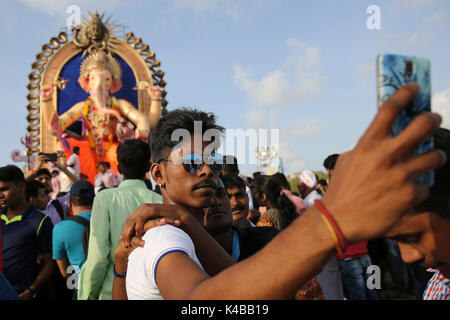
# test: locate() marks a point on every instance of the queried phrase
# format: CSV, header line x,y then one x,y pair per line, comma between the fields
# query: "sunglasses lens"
x,y
192,163
215,161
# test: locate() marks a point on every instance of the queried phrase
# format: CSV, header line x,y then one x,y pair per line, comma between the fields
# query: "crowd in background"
x,y
60,232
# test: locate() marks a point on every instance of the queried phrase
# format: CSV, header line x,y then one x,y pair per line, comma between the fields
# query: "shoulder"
x,y
166,235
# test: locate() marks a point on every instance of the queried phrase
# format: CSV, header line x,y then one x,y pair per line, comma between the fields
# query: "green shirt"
x,y
110,209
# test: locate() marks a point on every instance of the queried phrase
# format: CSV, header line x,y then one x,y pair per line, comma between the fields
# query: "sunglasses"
x,y
193,163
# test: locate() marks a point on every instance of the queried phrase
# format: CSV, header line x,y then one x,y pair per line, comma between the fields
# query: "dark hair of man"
x,y
84,200
76,149
107,165
183,118
233,181
32,188
11,173
282,180
330,161
439,199
231,166
272,189
322,182
133,157
42,171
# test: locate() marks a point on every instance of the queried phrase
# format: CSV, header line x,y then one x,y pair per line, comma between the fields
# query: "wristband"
x,y
118,275
338,236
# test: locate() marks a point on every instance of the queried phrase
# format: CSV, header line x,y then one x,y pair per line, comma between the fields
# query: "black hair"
x,y
76,149
282,180
32,188
271,187
42,171
322,182
232,181
230,165
11,173
83,200
438,201
330,161
183,118
133,157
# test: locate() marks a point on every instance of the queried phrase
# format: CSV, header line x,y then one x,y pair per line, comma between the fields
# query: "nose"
x,y
233,201
410,253
206,171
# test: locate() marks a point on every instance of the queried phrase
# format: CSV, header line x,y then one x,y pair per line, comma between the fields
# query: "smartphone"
x,y
51,156
394,71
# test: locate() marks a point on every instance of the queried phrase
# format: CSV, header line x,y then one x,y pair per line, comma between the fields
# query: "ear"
x,y
263,198
116,85
84,83
157,171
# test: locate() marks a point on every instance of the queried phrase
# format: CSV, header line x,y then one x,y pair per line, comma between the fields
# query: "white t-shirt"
x,y
143,261
64,181
74,160
312,196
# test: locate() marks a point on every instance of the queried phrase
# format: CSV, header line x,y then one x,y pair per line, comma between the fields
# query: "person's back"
x,y
68,241
110,209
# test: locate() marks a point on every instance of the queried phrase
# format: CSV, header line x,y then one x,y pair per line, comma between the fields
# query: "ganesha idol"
x,y
106,121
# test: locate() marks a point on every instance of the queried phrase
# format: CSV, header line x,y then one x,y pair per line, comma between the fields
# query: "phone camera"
x,y
408,69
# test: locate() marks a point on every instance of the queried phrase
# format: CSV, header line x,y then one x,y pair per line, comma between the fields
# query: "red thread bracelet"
x,y
337,230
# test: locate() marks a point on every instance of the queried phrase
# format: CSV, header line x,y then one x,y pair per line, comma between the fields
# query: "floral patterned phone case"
x,y
394,71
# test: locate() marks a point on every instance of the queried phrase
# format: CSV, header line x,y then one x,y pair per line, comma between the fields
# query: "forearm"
x,y
210,253
135,116
301,250
119,290
70,116
155,112
48,268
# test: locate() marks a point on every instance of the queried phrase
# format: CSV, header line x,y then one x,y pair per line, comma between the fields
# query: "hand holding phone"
x,y
394,71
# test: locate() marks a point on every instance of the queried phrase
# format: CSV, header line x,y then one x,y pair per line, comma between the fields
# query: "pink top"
x,y
109,179
299,203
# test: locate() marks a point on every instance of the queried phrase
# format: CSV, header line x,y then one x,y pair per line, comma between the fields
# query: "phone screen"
x,y
394,71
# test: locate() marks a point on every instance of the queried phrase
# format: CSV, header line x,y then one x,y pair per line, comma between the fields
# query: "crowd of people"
x,y
205,231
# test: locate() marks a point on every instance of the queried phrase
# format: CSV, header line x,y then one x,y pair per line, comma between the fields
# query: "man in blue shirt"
x,y
68,248
26,235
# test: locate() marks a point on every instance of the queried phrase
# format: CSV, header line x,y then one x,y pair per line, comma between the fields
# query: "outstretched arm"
x,y
372,188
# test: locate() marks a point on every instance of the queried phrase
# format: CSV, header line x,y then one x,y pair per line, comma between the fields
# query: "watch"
x,y
118,275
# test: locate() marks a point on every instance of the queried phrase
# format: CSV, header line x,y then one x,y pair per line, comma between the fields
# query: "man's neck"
x,y
17,210
78,210
224,238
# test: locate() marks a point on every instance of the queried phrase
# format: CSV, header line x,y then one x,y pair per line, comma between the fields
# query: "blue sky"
x,y
306,68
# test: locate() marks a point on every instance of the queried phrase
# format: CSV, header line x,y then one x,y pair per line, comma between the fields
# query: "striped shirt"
x,y
438,287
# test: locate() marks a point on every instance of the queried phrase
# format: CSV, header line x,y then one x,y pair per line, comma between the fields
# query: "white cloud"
x,y
254,118
59,7
440,103
304,129
290,85
436,17
292,162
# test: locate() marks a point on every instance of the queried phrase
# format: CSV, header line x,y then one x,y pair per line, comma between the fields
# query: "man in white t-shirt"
x,y
74,162
307,182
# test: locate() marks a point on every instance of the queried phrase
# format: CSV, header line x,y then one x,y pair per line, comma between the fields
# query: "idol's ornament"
x,y
93,92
